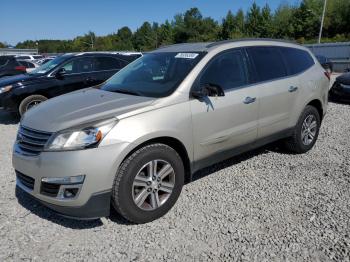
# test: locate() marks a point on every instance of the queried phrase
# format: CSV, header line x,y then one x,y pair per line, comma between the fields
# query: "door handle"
x,y
249,100
292,89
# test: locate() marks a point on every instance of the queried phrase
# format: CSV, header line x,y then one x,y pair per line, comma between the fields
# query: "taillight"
x,y
328,75
20,68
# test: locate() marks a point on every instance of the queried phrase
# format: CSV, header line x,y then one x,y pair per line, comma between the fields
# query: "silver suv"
x,y
134,140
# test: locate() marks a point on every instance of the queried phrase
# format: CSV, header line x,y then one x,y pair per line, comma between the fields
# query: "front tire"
x,y
148,183
29,102
305,132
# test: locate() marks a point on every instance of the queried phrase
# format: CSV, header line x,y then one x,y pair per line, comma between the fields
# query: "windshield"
x,y
154,74
43,69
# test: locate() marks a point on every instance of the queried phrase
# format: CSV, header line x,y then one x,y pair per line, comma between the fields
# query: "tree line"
x,y
293,22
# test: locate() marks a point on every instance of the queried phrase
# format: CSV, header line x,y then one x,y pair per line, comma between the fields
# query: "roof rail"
x,y
249,39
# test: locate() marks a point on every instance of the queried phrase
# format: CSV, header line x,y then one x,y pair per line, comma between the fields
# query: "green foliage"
x,y
192,27
145,37
300,23
282,23
254,21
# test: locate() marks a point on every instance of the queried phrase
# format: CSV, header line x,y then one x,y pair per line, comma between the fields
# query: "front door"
x,y
79,73
227,122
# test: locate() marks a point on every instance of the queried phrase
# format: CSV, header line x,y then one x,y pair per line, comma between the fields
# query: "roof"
x,y
193,47
206,46
121,53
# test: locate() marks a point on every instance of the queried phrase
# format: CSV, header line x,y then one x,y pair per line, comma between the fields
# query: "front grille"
x,y
25,180
49,189
31,142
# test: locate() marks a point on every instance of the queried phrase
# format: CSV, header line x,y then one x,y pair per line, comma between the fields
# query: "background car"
x,y
30,66
29,57
325,62
9,66
341,88
63,74
44,60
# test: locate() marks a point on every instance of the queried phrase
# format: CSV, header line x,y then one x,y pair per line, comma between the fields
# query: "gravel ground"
x,y
265,205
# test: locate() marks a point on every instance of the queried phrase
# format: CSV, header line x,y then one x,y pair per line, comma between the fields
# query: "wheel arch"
x,y
318,105
174,143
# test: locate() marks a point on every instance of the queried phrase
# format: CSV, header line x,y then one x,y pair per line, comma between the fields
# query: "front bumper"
x,y
97,206
99,165
7,102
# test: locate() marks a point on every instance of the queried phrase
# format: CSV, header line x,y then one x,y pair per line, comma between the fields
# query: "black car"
x,y
325,62
63,74
341,88
9,66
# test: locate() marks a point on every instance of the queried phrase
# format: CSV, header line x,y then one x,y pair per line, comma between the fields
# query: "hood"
x,y
344,79
83,106
20,79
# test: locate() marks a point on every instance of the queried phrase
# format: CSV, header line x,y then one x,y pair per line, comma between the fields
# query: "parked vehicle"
x,y
9,66
44,60
30,66
133,141
29,57
63,74
326,63
341,88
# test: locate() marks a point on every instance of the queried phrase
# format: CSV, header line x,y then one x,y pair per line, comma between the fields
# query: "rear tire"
x,y
148,183
305,132
29,102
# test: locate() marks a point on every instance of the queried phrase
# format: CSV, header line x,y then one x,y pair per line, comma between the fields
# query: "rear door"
x,y
277,91
222,123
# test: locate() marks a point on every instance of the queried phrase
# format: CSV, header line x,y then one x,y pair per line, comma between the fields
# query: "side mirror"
x,y
208,90
60,73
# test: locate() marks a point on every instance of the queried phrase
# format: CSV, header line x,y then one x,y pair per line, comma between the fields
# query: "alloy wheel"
x,y
309,130
153,184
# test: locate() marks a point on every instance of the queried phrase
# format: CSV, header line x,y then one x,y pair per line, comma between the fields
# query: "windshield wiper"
x,y
128,92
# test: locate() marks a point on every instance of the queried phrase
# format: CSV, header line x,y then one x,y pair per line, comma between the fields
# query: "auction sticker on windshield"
x,y
186,55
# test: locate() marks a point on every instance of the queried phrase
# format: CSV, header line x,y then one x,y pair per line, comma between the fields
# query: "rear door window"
x,y
227,70
268,62
297,60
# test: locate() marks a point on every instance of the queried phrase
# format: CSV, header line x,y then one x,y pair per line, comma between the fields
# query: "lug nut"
x,y
158,179
148,183
149,189
155,190
153,178
159,185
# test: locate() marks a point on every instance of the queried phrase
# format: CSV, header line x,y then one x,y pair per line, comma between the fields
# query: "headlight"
x,y
5,89
80,138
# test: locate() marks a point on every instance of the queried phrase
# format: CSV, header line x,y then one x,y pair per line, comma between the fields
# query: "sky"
x,y
65,19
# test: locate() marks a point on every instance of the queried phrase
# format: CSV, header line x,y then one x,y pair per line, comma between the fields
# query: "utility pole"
x,y
92,42
322,20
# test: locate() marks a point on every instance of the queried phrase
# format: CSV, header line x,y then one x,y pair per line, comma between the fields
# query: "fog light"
x,y
70,192
68,180
63,188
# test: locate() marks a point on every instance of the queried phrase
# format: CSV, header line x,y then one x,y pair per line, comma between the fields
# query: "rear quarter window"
x,y
107,63
297,60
